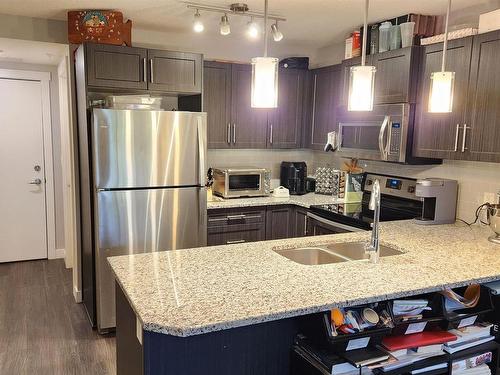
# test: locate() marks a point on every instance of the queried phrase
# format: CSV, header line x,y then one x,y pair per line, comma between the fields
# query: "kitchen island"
x,y
231,309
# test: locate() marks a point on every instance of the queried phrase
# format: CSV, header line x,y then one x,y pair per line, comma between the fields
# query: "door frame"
x,y
44,79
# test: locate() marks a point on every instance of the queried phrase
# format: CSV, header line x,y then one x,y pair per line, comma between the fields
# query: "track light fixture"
x,y
225,28
277,34
252,29
198,26
237,9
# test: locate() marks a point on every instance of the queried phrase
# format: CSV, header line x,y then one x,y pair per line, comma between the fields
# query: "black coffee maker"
x,y
293,176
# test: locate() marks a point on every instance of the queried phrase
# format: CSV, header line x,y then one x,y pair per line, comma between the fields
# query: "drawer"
x,y
232,234
230,217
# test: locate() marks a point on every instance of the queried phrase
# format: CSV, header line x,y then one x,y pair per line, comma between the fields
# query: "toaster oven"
x,y
241,182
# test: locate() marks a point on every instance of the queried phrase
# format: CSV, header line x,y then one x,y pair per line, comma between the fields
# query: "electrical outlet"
x,y
490,198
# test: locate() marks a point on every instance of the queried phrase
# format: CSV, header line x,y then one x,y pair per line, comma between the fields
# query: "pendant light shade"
x,y
264,82
361,88
264,92
441,94
362,78
442,83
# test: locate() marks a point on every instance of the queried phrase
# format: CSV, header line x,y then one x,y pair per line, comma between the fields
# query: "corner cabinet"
x,y
326,83
472,130
233,123
130,68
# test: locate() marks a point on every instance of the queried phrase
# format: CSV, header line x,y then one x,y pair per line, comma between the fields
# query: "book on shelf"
x,y
430,368
453,348
416,340
469,333
471,362
399,359
479,370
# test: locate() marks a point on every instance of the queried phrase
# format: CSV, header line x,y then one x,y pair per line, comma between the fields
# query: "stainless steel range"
x,y
398,202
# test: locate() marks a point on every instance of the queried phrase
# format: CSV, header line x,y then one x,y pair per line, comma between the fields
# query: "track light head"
x,y
225,28
198,26
277,34
252,29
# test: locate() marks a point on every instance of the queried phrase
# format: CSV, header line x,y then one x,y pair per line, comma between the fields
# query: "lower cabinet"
x,y
280,222
300,222
236,225
240,225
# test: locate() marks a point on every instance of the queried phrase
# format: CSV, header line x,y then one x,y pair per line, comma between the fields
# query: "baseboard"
x,y
77,294
60,253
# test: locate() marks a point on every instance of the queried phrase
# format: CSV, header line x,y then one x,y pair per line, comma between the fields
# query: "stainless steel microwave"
x,y
241,182
384,134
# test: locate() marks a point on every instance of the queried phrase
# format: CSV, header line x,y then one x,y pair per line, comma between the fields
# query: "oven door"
x,y
377,135
317,226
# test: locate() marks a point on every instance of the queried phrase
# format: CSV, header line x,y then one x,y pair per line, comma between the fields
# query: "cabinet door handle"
x,y
236,217
464,141
151,69
235,241
228,133
271,135
313,119
456,138
234,132
305,225
144,70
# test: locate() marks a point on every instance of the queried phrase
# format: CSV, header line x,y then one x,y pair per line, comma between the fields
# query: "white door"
x,y
23,233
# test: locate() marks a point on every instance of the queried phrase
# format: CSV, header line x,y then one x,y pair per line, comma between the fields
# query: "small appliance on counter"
x,y
310,184
281,192
293,176
238,182
439,197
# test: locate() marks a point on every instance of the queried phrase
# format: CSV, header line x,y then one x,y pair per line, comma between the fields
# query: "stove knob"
x,y
411,189
369,182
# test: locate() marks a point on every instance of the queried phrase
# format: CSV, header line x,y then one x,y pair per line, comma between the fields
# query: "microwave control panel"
x,y
395,138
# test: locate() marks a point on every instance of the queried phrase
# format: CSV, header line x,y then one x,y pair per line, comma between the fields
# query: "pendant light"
x,y
442,83
362,78
264,92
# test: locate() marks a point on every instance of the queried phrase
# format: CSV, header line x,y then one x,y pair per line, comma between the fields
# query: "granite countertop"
x,y
305,201
194,291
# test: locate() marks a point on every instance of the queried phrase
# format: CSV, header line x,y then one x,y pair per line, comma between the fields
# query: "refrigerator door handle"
x,y
202,140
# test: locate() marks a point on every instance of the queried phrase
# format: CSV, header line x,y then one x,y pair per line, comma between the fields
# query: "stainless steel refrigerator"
x,y
149,172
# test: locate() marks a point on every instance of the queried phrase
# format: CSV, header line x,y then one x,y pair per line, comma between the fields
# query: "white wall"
x,y
56,141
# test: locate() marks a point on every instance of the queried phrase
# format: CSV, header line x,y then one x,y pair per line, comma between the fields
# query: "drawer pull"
x,y
236,217
235,241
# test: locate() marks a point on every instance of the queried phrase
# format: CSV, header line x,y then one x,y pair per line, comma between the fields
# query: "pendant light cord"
x,y
265,27
445,45
365,35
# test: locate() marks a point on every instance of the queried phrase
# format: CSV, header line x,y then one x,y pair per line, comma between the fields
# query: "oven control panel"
x,y
389,185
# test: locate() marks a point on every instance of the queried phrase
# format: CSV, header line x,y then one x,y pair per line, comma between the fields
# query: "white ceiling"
x,y
315,23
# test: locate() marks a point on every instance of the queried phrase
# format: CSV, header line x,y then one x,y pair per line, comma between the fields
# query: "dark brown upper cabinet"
x,y
440,135
396,76
175,71
116,66
285,122
249,125
129,68
325,98
482,135
233,123
217,103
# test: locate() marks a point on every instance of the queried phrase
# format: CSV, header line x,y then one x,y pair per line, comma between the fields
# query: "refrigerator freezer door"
x,y
140,221
142,149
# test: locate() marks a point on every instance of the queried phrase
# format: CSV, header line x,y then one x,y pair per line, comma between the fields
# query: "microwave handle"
x,y
381,146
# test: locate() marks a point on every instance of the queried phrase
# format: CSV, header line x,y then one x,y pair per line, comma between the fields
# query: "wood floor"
x,y
42,329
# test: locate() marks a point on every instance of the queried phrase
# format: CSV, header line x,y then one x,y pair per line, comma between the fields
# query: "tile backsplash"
x,y
475,179
270,159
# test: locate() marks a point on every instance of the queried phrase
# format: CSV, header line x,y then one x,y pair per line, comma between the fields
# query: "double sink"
x,y
333,253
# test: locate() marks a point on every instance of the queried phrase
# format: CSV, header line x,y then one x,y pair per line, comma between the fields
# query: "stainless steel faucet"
x,y
373,247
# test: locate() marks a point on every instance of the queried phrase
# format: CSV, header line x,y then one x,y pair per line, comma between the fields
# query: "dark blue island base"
x,y
260,349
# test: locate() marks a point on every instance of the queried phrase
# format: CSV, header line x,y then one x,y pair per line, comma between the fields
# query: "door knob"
x,y
36,181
